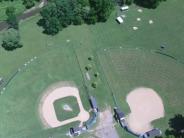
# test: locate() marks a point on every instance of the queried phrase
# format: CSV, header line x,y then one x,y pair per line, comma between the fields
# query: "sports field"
x,y
127,69
56,61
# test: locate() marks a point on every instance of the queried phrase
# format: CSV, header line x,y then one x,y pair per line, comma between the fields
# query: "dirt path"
x,y
146,106
105,128
47,111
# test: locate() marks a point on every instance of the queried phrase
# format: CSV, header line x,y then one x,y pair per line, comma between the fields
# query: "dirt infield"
x,y
46,107
146,106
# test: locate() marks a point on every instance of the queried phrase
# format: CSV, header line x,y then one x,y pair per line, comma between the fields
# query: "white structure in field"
x,y
120,20
124,8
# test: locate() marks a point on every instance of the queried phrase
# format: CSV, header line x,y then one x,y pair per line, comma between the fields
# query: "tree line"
x,y
27,3
144,3
59,14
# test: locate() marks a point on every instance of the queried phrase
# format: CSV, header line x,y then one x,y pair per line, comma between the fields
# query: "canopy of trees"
x,y
27,3
143,3
12,19
58,14
148,3
11,39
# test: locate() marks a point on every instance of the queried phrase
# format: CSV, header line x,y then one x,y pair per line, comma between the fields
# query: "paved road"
x,y
23,16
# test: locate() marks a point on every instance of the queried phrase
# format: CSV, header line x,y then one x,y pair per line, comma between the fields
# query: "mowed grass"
x,y
57,61
20,102
127,69
63,114
4,4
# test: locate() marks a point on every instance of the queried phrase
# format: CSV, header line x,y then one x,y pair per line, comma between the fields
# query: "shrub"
x,y
96,74
94,84
88,67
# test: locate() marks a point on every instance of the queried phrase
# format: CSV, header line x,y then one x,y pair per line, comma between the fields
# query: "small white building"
x,y
119,20
124,8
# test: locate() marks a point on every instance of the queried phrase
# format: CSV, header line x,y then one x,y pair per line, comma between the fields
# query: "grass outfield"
x,y
57,61
127,69
61,113
19,113
17,4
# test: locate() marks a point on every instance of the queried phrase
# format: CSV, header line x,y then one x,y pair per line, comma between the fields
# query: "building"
x,y
152,133
119,20
120,117
93,104
76,131
124,8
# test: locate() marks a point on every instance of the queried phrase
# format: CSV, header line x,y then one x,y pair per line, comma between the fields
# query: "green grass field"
x,y
61,113
58,62
127,69
17,4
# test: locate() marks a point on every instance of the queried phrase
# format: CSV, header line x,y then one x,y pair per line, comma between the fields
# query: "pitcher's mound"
x,y
146,106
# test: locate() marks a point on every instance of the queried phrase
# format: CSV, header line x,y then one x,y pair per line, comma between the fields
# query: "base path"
x,y
146,106
47,111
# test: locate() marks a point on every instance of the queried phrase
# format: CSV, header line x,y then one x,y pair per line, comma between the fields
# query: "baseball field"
x,y
124,58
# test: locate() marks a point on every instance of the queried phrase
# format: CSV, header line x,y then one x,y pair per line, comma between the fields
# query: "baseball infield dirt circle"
x,y
47,111
146,106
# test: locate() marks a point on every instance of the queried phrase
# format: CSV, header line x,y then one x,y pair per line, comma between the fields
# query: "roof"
x,y
93,102
119,19
119,113
124,8
76,129
154,132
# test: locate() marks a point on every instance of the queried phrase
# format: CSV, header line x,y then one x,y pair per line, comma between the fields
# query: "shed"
x,y
93,104
119,114
76,131
119,20
152,133
120,117
124,8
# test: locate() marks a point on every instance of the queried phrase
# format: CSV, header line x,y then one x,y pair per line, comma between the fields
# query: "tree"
x,y
11,19
28,3
10,11
94,84
56,15
13,22
176,126
129,2
148,3
52,26
102,9
11,39
91,17
77,13
59,14
105,10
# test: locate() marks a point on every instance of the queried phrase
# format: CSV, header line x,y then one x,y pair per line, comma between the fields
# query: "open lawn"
x,y
57,61
17,4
